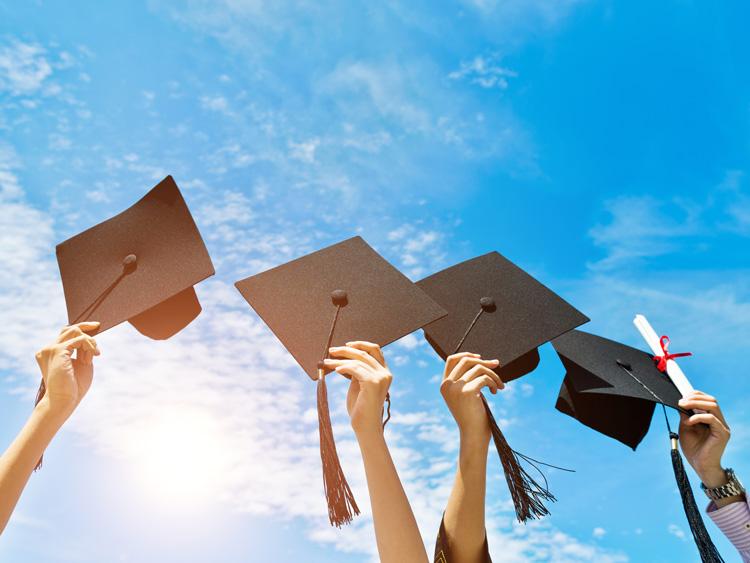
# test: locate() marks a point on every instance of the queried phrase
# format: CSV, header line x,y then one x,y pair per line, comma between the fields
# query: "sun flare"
x,y
182,455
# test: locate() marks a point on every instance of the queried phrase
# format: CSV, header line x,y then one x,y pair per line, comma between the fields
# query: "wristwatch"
x,y
731,488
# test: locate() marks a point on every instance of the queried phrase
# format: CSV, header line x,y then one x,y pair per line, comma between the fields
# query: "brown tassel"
x,y
341,504
528,495
39,395
706,547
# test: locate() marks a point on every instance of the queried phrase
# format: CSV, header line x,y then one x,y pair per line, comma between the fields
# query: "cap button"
x,y
339,297
487,303
129,263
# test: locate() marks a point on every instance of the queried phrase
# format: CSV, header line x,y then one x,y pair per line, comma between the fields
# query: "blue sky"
x,y
602,146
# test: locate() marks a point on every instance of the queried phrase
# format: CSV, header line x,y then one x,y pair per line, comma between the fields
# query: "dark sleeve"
x,y
442,547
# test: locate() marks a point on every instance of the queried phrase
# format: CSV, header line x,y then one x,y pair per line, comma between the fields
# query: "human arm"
x,y
66,381
464,377
396,531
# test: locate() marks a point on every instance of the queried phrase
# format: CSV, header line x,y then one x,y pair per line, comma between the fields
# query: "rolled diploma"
x,y
652,339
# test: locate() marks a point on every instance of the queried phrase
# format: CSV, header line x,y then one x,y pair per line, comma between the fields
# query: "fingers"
x,y
710,420
354,370
696,404
466,363
360,366
453,359
483,371
480,382
699,401
372,349
354,354
83,343
68,332
699,394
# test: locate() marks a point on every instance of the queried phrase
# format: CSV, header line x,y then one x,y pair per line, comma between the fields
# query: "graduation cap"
x,y
139,266
614,388
341,293
497,310
611,387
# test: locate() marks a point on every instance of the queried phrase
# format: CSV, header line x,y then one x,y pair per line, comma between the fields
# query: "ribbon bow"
x,y
662,360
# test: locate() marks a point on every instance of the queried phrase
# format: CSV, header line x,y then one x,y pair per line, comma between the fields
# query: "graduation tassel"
x,y
341,504
528,495
39,394
706,547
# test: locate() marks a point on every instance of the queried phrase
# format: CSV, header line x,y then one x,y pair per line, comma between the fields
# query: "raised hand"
x,y
68,379
464,377
364,364
704,437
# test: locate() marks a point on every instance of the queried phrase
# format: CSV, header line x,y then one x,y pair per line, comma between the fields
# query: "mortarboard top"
x,y
498,311
140,266
518,314
611,387
296,301
614,389
341,293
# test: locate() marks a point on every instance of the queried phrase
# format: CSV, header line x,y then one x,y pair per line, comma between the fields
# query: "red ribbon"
x,y
662,360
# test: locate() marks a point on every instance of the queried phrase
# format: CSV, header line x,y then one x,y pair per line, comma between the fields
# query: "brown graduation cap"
x,y
497,310
139,266
614,388
341,293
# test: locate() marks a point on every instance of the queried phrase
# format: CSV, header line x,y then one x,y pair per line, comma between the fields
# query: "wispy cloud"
x,y
641,227
24,68
485,72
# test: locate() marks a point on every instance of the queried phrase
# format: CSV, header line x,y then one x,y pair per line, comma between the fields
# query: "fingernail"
x,y
495,361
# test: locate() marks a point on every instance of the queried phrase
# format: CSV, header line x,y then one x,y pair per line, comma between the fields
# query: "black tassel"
x,y
39,395
528,495
706,547
341,504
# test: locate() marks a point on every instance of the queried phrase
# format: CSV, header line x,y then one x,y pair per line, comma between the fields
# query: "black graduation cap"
x,y
341,293
614,388
611,387
497,310
139,266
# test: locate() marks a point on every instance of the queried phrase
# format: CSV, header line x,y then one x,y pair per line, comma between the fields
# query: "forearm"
x,y
464,514
19,460
396,530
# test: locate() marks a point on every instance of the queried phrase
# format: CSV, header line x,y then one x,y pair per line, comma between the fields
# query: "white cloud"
x,y
523,15
420,251
305,150
215,103
484,72
641,227
677,532
599,532
9,185
24,68
390,88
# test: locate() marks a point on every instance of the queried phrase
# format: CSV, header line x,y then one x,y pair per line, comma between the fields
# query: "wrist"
x,y
51,414
475,440
712,476
369,436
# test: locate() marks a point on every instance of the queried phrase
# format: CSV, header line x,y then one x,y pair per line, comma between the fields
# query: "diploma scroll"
x,y
652,339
